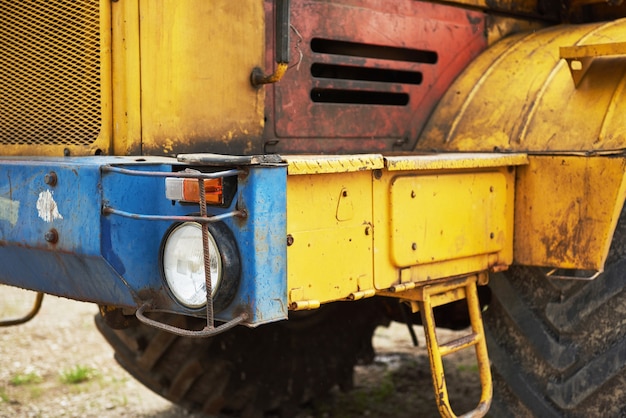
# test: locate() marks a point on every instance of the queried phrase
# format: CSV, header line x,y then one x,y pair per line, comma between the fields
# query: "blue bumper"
x,y
75,228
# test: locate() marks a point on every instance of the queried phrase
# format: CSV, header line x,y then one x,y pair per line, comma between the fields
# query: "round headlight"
x,y
183,265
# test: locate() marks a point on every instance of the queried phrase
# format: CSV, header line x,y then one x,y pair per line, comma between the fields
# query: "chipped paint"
x,y
9,210
47,208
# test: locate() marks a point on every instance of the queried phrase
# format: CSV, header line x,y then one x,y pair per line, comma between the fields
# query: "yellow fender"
x,y
520,96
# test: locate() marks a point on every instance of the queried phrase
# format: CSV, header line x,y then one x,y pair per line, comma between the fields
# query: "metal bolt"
x,y
378,174
50,179
52,236
492,235
414,246
491,189
413,194
289,240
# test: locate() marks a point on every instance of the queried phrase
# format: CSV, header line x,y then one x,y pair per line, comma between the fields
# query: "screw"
x,y
492,235
289,240
52,236
414,246
50,179
413,194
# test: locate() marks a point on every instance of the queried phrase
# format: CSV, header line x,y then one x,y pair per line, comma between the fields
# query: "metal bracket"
x,y
579,57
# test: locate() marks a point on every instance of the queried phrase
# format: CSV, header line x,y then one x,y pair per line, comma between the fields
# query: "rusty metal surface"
x,y
364,78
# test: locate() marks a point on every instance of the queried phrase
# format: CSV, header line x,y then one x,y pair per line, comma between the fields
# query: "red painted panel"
x,y
370,72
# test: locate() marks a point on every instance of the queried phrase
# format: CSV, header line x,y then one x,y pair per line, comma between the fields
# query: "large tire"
x,y
251,372
558,348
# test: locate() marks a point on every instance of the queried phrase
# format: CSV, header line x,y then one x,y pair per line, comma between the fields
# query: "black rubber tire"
x,y
558,347
269,370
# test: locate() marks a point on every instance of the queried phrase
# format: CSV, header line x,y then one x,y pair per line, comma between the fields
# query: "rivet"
x,y
50,179
289,240
52,236
414,246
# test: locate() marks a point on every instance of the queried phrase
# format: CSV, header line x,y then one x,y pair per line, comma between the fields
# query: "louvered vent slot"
x,y
50,85
376,83
355,49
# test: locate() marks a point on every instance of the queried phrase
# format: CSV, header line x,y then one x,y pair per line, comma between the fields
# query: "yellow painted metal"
x,y
567,209
126,78
352,232
499,26
329,253
441,293
441,217
454,161
433,223
319,164
541,111
196,60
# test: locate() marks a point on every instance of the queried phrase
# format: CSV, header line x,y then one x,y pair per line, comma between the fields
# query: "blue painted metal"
x,y
262,242
114,260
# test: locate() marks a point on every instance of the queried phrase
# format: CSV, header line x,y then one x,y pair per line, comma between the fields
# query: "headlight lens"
x,y
183,265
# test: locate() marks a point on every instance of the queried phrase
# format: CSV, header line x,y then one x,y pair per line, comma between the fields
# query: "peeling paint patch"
x,y
9,210
47,207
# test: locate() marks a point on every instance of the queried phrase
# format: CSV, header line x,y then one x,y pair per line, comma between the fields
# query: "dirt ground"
x,y
41,361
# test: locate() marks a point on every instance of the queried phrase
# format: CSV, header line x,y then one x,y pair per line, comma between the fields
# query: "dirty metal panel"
x,y
196,61
50,231
566,210
365,77
329,226
454,161
543,109
261,238
443,217
48,195
57,237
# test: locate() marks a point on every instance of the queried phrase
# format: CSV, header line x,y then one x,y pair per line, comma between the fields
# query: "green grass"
x,y
473,368
78,374
3,396
21,379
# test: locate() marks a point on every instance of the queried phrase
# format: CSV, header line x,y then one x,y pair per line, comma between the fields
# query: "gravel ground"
x,y
40,360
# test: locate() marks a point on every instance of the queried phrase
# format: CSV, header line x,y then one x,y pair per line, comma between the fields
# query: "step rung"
x,y
458,344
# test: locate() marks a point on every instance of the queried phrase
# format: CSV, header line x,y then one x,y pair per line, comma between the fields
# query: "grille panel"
x,y
50,80
366,75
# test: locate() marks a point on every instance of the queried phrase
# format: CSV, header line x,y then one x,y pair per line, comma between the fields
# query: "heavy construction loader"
x,y
248,188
